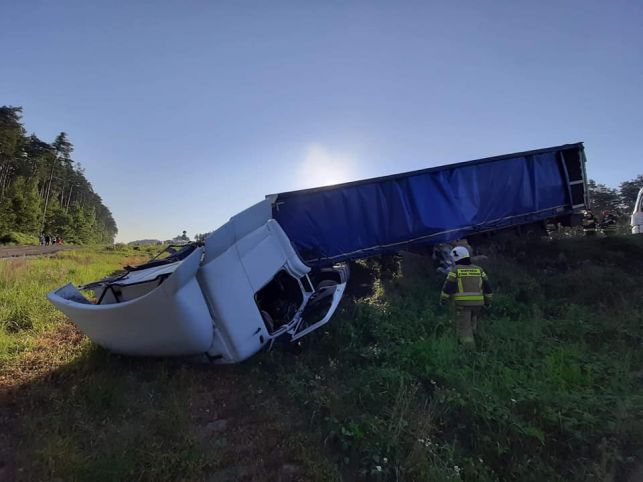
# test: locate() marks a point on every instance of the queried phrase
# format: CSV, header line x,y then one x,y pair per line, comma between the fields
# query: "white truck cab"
x,y
637,215
245,287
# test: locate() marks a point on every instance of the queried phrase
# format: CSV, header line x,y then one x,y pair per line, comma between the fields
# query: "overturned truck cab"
x,y
226,299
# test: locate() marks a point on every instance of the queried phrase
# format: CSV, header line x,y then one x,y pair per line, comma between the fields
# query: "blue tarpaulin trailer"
x,y
387,214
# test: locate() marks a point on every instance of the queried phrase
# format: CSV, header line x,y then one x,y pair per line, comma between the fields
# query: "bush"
x,y
14,238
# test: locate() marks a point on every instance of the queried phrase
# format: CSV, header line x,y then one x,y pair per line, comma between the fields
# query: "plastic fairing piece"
x,y
172,319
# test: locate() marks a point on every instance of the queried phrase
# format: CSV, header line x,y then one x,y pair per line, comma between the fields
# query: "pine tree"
x,y
603,198
42,187
21,206
11,136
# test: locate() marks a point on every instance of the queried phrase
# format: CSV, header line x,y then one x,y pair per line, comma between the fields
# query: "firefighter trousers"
x,y
466,323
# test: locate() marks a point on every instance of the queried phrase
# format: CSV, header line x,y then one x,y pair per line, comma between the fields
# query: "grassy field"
x,y
71,411
554,391
24,311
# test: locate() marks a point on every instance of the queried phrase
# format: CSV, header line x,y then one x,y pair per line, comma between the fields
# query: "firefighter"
x,y
468,287
589,223
551,227
608,224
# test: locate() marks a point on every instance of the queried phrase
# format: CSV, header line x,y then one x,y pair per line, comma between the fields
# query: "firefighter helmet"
x,y
459,252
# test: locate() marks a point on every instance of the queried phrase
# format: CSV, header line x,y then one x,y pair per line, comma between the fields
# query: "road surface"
x,y
19,251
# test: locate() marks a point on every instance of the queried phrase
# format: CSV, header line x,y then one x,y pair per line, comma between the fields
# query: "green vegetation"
x,y
25,312
43,190
19,238
385,392
78,412
620,201
553,392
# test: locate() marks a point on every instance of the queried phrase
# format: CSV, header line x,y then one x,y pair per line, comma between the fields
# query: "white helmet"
x,y
459,252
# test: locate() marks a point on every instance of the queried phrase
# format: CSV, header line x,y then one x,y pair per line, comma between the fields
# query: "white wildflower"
x,y
378,468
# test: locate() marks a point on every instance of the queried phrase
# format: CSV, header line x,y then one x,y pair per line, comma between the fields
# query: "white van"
x,y
238,292
637,214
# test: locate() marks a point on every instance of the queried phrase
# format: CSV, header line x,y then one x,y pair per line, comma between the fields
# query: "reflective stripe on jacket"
x,y
609,224
467,285
589,224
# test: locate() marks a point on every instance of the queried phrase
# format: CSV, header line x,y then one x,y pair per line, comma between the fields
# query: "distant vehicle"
x,y
278,268
238,292
637,215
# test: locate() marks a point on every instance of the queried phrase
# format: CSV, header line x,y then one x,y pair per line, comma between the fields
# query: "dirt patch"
x,y
51,350
255,435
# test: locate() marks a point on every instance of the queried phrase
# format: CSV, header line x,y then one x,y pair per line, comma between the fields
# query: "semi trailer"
x,y
279,269
388,214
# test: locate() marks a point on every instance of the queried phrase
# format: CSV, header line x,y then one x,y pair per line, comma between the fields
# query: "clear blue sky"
x,y
185,112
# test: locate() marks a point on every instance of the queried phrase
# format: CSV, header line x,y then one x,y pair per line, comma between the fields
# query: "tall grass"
x,y
24,283
72,411
552,393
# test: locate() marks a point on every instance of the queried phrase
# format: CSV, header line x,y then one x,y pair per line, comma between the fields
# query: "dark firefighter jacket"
x,y
608,224
467,285
589,224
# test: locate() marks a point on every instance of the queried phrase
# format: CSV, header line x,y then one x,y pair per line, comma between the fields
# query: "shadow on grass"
x,y
100,416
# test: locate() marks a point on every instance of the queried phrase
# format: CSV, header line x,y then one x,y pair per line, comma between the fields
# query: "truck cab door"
x,y
323,303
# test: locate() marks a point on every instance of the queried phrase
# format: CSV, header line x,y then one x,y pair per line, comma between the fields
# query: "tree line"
x,y
43,190
620,200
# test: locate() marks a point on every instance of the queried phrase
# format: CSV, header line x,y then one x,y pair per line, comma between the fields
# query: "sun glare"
x,y
322,167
